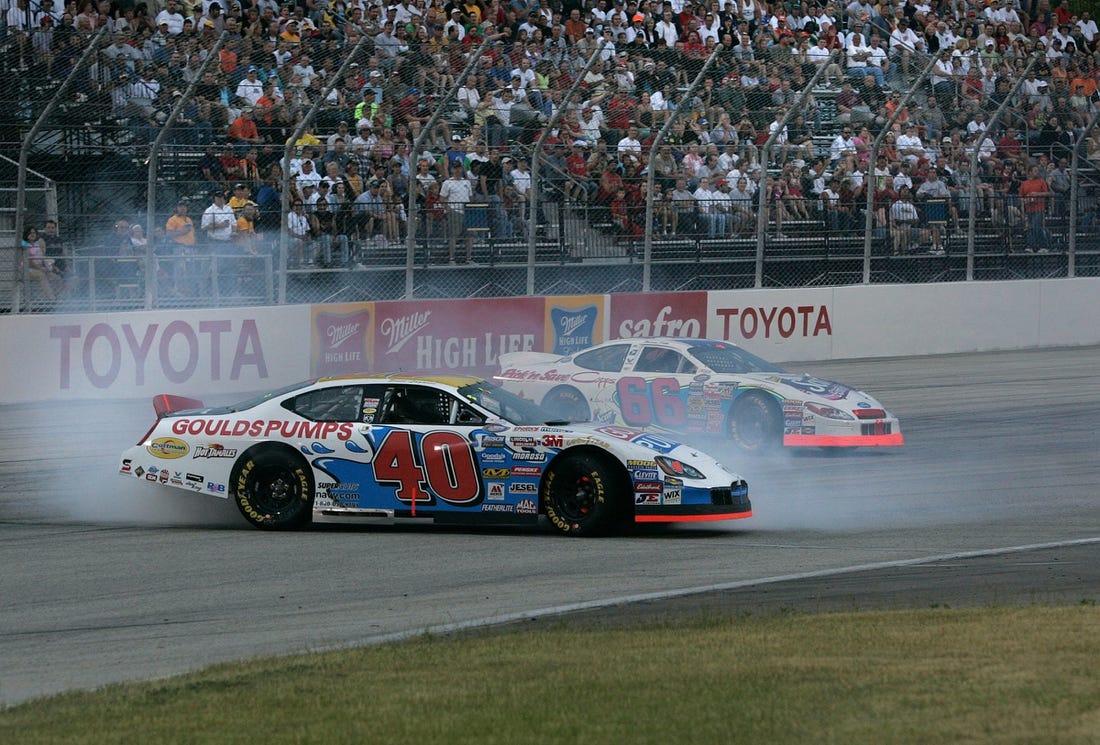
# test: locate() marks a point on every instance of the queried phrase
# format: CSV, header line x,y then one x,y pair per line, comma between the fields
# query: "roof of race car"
x,y
674,340
694,341
456,381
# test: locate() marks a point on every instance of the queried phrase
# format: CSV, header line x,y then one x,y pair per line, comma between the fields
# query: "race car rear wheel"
x,y
567,403
581,494
755,425
273,489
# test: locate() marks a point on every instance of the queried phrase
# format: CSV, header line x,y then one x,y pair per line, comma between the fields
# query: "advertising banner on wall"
x,y
649,314
243,350
342,339
777,324
454,336
130,355
573,323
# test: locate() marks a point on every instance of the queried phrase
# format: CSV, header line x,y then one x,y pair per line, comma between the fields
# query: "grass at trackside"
x,y
1014,675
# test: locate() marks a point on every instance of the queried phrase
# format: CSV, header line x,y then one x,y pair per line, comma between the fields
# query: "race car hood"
x,y
809,387
523,359
632,443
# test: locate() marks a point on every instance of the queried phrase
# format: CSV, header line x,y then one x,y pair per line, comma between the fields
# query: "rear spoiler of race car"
x,y
165,403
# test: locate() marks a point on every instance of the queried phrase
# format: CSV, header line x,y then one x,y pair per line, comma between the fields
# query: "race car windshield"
x,y
726,358
506,405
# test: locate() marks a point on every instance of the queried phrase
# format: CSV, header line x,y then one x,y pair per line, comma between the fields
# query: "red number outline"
x,y
440,463
644,402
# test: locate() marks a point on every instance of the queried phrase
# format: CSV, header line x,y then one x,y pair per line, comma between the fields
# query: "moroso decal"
x,y
168,447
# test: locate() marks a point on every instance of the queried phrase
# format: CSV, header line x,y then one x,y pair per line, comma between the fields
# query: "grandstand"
x,y
506,148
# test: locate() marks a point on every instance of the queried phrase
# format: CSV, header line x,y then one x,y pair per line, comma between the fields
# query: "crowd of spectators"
x,y
352,171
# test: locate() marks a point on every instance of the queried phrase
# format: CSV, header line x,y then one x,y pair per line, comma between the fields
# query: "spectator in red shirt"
x,y
1033,198
243,132
1009,147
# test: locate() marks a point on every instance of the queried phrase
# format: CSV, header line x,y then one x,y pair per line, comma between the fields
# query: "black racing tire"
x,y
755,424
273,488
581,494
567,403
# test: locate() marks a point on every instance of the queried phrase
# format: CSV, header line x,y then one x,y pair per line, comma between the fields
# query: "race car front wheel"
x,y
580,496
273,489
754,424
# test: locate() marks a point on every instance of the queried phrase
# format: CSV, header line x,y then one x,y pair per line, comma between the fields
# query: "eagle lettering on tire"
x,y
274,489
579,495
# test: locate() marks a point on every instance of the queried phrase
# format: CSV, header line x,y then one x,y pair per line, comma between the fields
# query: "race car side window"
x,y
663,360
416,405
342,403
604,359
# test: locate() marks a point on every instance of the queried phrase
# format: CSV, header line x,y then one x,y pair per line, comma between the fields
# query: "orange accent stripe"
x,y
844,441
690,518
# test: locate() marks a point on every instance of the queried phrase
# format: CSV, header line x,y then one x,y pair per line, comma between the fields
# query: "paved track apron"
x,y
105,580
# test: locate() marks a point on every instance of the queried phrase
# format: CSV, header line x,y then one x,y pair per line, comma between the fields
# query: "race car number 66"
x,y
657,401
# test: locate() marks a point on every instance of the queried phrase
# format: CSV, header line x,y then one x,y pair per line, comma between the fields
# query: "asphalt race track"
x,y
105,579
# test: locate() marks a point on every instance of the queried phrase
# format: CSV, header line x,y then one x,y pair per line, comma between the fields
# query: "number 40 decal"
x,y
442,463
657,402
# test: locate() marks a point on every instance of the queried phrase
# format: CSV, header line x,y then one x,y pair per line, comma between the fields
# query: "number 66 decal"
x,y
656,402
441,463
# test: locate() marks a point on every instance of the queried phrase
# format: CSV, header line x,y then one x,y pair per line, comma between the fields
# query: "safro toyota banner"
x,y
649,314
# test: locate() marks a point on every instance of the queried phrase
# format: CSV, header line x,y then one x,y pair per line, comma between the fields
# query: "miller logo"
x,y
574,329
338,334
400,330
343,342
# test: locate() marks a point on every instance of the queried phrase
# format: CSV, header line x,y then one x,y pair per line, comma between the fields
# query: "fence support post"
x,y
24,155
868,217
536,155
151,177
972,218
647,244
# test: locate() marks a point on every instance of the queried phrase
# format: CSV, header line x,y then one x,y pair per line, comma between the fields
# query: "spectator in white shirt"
x,y
456,192
666,30
904,43
859,55
909,144
629,144
251,88
1087,26
172,17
